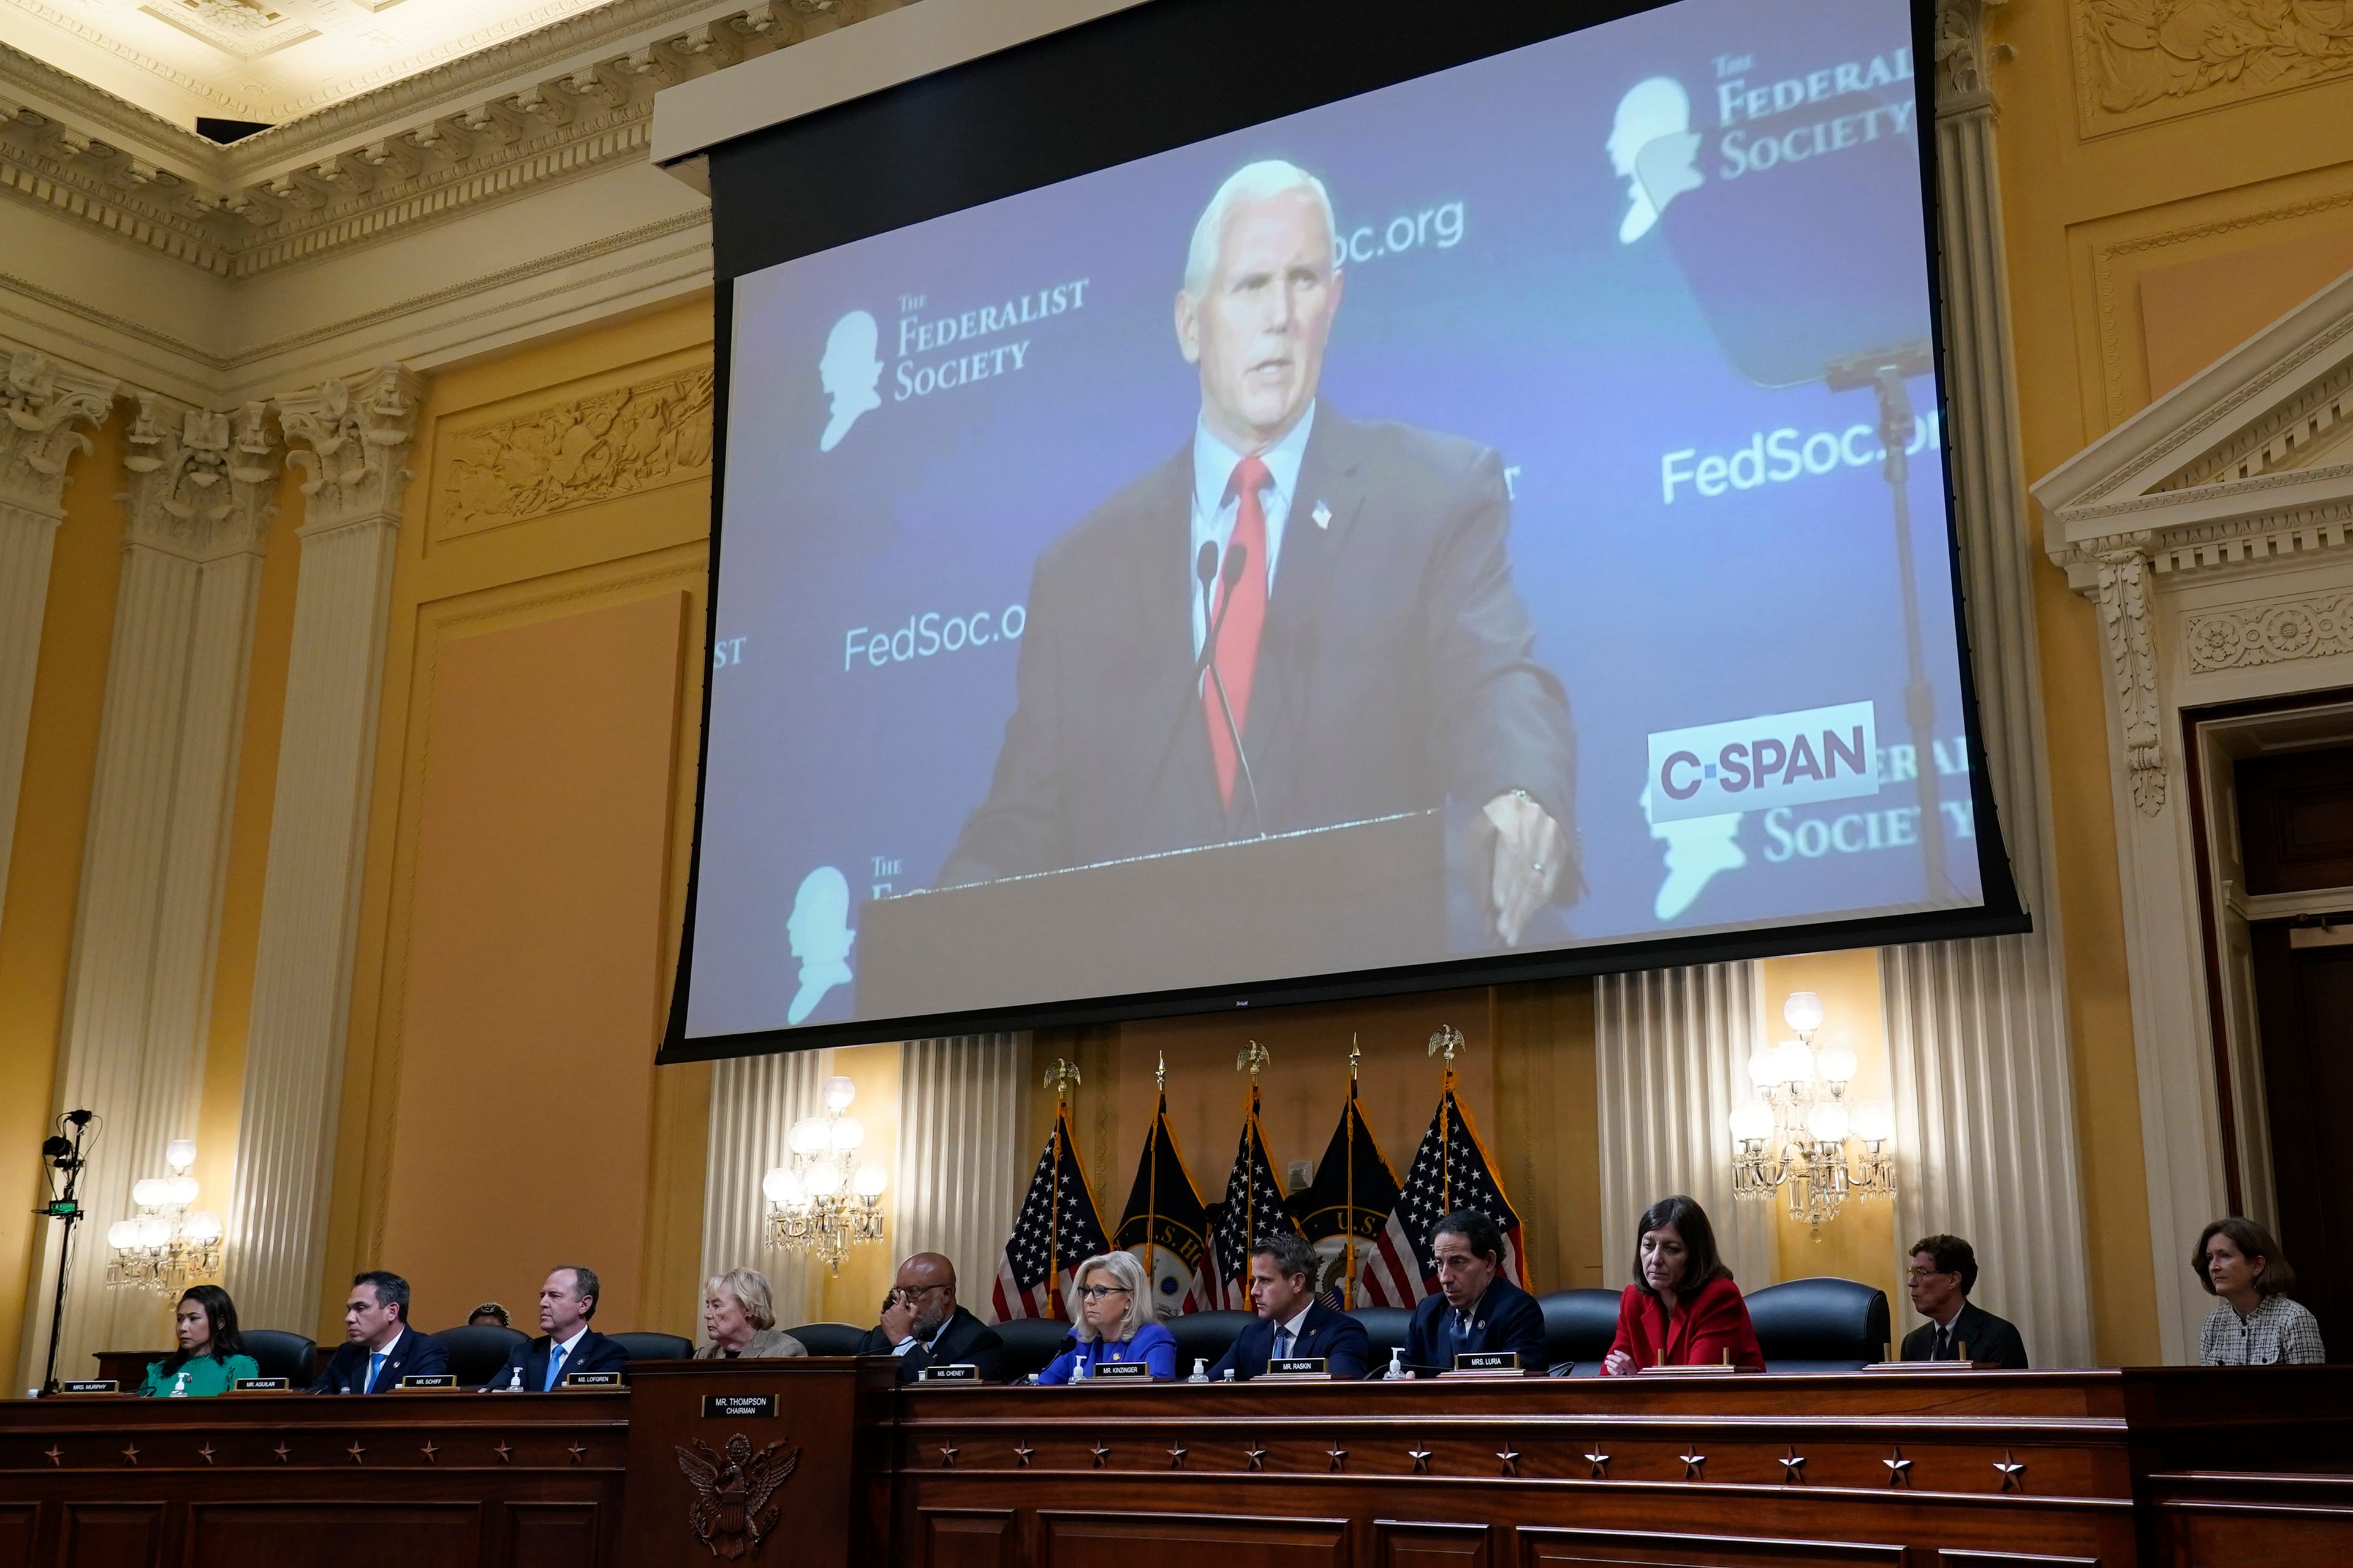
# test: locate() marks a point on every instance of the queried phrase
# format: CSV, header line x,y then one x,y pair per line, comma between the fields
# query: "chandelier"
x,y
825,1200
163,1248
1802,1135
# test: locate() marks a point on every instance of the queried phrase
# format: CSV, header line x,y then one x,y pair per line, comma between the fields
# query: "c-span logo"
x,y
1753,765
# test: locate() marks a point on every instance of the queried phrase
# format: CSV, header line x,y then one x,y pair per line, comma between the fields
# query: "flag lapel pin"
x,y
1322,514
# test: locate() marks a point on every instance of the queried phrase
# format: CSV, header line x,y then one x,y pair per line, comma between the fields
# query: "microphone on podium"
x,y
1205,568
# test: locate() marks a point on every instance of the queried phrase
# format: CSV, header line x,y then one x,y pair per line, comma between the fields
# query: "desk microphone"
x,y
1237,561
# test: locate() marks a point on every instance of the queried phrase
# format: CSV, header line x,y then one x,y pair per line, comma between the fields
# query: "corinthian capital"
x,y
349,440
1962,56
43,407
203,481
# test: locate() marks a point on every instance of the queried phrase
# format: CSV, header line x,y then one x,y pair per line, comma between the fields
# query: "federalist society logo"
x,y
937,353
1753,764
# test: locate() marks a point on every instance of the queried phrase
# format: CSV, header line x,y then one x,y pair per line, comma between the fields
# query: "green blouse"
x,y
206,1376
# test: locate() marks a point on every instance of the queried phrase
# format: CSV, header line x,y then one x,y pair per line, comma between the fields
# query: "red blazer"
x,y
1703,1326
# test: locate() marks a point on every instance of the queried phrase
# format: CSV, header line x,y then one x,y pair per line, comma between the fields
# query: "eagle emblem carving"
x,y
731,1514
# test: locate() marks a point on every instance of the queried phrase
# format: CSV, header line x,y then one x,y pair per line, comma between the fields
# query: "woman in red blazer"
x,y
1683,1308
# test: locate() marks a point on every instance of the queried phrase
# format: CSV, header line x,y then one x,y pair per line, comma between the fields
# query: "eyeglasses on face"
x,y
1097,1292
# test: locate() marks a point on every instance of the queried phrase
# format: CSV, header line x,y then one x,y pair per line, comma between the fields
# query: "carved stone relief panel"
x,y
616,442
2141,61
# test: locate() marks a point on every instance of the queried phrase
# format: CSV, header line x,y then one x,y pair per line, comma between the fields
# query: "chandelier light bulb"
x,y
1765,1067
839,1093
777,1183
1752,1122
180,1153
1874,1121
1804,1011
869,1180
824,1181
809,1136
180,1191
1837,1064
1797,1062
150,1192
203,1226
122,1235
848,1134
1826,1122
154,1230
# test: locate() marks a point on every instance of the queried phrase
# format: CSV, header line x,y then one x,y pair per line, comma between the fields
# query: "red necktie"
x,y
1236,656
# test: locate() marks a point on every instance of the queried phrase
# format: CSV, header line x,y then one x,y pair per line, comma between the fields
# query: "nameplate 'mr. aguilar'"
x,y
259,1385
738,1406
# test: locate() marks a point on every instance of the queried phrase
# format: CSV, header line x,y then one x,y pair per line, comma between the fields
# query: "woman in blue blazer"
x,y
1111,1321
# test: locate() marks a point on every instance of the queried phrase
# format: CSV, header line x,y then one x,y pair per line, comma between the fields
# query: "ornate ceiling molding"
x,y
563,101
2141,61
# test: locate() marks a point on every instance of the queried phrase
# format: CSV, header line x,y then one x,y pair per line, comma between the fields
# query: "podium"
x,y
1358,895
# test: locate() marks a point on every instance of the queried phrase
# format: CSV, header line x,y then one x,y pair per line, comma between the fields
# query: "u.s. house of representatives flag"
x,y
1166,1225
1058,1228
1450,1172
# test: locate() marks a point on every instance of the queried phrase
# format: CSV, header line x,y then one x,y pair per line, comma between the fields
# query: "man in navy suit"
x,y
379,1347
567,1301
1370,647
1291,1322
1476,1309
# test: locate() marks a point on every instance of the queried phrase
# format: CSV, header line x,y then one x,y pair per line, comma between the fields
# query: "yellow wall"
x,y
2104,199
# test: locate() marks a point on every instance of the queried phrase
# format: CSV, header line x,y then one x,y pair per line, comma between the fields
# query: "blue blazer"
x,y
412,1356
595,1352
1338,1338
1152,1343
1506,1319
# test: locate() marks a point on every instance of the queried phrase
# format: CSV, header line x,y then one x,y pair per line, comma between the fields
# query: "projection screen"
x,y
1222,505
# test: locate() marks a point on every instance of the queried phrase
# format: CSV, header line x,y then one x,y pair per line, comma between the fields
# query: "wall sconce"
x,y
827,1200
1801,1134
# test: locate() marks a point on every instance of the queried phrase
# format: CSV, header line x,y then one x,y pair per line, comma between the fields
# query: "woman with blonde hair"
x,y
740,1317
1110,1321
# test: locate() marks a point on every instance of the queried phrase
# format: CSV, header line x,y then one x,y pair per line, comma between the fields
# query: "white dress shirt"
x,y
1215,511
556,1368
1291,1347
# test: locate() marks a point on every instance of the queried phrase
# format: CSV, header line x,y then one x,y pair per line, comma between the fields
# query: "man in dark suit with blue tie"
x,y
1370,646
1291,1322
567,1301
1477,1308
379,1347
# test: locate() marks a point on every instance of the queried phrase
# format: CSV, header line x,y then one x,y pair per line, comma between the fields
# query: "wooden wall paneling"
x,y
1545,1547
111,1535
347,1534
2254,1535
551,1535
1421,1544
1950,1559
20,1530
1141,1539
968,1537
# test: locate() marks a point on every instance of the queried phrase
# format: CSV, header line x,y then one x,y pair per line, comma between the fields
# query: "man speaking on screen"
x,y
1333,596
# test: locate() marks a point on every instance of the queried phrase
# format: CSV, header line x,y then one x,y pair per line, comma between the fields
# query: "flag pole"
x,y
1059,1078
1448,1039
1348,1276
1253,1057
1151,1190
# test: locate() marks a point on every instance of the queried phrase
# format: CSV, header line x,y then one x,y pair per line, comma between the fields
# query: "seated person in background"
x,y
379,1347
1291,1322
1111,1321
739,1316
211,1356
1944,1271
1683,1308
1477,1308
2255,1323
923,1326
567,1301
489,1315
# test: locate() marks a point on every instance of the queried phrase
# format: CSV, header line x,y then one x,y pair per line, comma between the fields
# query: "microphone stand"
x,y
1237,561
1885,373
65,1158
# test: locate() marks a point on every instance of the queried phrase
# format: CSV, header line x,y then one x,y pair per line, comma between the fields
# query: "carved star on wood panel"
x,y
1793,1467
1100,1451
206,1453
282,1451
1899,1469
1600,1463
431,1451
1339,1456
131,1454
1419,1454
2012,1471
1694,1466
1257,1455
54,1454
1511,1459
1023,1453
947,1455
579,1452
356,1452
505,1452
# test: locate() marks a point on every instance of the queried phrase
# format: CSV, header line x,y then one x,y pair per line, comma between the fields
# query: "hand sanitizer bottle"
x,y
1201,1371
179,1385
514,1383
1397,1362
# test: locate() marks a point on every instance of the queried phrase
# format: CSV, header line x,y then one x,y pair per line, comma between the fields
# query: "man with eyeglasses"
x,y
1476,1309
1944,1271
923,1326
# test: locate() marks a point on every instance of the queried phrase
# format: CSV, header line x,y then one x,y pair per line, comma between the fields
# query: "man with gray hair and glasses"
x,y
1371,656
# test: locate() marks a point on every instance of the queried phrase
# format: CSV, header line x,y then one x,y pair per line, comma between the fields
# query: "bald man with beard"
x,y
923,1324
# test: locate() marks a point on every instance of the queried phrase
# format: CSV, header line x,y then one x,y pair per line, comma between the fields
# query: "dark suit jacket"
x,y
1338,1338
1985,1337
1397,669
1506,1319
964,1339
595,1352
413,1355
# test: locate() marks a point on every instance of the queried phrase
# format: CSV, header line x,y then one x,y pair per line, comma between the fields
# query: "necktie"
x,y
375,1366
1236,656
1282,1344
1944,1351
555,1364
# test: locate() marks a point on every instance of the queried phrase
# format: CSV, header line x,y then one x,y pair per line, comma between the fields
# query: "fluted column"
x,y
961,1164
755,1100
197,509
44,407
1984,1086
1670,1060
350,442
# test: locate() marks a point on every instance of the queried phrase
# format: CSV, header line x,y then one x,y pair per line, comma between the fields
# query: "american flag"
x,y
1253,1210
1058,1228
1450,1172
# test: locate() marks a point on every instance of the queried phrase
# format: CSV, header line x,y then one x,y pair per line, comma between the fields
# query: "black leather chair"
x,y
280,1352
643,1344
476,1352
1205,1337
1820,1325
1030,1343
1578,1328
829,1339
1386,1327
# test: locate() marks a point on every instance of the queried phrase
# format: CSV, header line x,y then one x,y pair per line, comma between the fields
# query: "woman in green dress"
x,y
211,1356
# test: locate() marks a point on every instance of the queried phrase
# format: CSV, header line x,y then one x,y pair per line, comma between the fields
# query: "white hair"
x,y
1258,182
1128,1275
